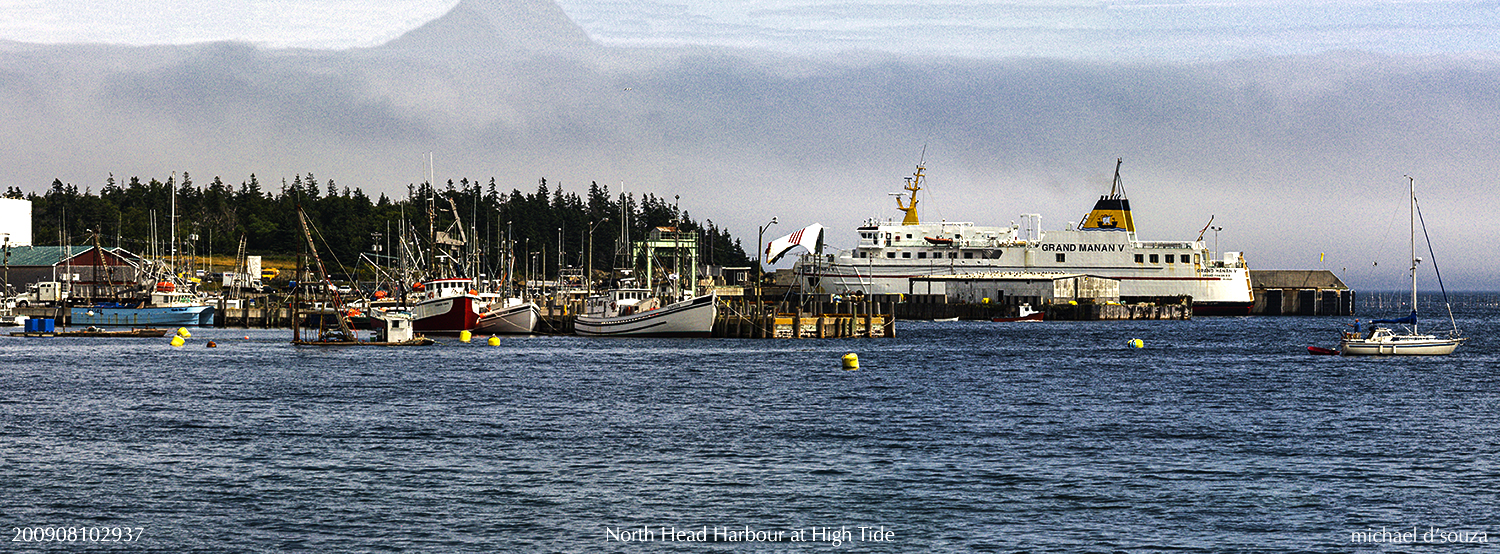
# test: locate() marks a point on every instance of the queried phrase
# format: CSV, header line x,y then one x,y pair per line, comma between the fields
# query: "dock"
x,y
738,318
811,319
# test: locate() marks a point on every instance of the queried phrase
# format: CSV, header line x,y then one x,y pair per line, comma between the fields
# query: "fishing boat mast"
x,y
325,283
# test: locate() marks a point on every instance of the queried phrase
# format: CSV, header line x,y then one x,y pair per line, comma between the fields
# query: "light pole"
x,y
557,300
589,280
760,253
1216,240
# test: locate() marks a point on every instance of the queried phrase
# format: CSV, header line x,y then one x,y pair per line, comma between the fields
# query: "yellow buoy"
x,y
494,340
177,342
851,361
465,336
1136,343
183,332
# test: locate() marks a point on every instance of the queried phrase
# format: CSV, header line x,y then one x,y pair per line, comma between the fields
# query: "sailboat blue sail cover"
x,y
1409,320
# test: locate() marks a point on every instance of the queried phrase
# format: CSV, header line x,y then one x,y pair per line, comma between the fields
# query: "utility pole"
x,y
760,252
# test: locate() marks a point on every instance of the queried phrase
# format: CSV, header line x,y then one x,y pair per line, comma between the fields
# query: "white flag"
x,y
809,237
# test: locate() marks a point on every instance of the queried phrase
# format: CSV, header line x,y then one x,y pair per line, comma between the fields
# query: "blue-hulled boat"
x,y
167,308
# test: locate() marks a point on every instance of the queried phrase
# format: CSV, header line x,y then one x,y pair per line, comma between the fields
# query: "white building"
x,y
15,221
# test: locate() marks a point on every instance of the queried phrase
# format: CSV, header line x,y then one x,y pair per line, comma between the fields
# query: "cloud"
x,y
1293,155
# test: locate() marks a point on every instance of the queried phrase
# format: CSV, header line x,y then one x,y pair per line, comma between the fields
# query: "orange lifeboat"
x,y
165,286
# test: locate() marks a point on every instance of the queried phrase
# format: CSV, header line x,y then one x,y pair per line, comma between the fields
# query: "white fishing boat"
x,y
639,313
1383,341
1103,244
510,316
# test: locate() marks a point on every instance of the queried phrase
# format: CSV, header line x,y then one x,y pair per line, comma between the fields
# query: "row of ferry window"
x,y
1141,258
1061,257
1170,258
874,236
922,255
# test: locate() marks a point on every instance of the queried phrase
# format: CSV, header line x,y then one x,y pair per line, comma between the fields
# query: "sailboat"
x,y
1383,341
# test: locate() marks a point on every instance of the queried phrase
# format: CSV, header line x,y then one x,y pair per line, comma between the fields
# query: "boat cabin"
x,y
621,302
393,329
444,288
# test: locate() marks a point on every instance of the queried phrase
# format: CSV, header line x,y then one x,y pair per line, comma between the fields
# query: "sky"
x,y
1072,28
1291,123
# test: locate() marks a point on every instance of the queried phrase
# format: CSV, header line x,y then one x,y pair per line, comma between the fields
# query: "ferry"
x,y
1103,244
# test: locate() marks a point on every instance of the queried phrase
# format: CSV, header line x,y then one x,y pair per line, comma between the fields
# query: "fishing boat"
x,y
1383,341
889,253
394,329
511,316
447,306
640,313
165,306
164,299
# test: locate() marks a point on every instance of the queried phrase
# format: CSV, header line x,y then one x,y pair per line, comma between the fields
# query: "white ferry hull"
x,y
692,318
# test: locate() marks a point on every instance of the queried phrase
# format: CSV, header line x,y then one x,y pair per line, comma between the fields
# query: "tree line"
x,y
136,215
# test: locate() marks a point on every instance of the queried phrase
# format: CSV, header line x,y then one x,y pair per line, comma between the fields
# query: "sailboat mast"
x,y
1412,241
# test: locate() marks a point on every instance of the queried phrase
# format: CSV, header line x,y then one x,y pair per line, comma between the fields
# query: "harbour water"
x,y
1220,435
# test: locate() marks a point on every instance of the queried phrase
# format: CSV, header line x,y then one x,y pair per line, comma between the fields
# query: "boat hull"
x,y
514,320
1038,316
1399,346
1216,292
1222,308
693,318
448,315
145,316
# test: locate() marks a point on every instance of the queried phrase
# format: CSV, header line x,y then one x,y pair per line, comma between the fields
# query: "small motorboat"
x,y
1024,312
1320,351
